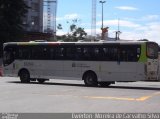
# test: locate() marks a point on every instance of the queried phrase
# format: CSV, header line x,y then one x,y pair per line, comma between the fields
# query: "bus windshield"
x,y
152,50
8,56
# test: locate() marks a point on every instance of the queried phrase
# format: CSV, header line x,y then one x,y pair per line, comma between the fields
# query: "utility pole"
x,y
118,32
93,26
102,2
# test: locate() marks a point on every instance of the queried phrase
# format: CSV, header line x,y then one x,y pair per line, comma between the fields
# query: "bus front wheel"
x,y
24,76
90,79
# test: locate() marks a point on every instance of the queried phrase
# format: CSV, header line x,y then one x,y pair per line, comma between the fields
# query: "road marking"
x,y
143,98
140,99
114,98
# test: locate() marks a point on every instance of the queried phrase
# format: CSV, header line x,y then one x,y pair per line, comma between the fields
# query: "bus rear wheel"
x,y
24,76
90,79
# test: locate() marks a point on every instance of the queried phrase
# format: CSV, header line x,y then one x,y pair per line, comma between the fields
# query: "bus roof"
x,y
75,43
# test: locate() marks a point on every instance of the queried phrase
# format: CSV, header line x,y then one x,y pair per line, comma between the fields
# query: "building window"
x,y
35,7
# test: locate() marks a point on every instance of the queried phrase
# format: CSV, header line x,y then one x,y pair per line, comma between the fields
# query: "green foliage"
x,y
12,13
59,27
75,34
73,27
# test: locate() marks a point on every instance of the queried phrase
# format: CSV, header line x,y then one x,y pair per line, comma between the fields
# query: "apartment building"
x,y
34,18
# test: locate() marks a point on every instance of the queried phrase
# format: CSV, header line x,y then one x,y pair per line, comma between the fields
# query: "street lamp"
x,y
102,2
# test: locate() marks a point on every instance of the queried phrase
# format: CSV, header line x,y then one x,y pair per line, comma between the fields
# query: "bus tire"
x,y
104,84
41,81
90,79
24,76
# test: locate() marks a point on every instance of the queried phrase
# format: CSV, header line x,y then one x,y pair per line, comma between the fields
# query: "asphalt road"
x,y
72,96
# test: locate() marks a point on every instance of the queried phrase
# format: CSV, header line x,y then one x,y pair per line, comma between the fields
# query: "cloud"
x,y
65,18
98,31
123,23
135,30
149,31
69,17
153,31
127,8
150,17
131,35
60,32
131,28
144,19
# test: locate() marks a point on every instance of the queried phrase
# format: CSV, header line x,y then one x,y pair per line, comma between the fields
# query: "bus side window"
x,y
96,54
45,53
129,53
23,53
35,53
69,54
123,55
60,53
8,56
115,52
52,53
105,55
99,54
138,52
110,53
79,53
87,53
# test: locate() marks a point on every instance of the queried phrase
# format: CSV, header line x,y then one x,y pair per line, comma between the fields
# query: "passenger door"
x,y
128,62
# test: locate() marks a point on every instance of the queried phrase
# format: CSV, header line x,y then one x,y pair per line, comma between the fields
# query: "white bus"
x,y
96,63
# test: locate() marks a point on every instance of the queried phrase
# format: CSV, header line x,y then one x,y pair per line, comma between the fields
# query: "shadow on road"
x,y
50,83
82,85
134,87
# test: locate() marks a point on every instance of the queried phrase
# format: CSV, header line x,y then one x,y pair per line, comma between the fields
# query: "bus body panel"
x,y
10,70
152,66
121,71
105,71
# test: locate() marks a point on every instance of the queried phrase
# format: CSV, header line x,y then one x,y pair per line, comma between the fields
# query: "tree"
x,y
59,27
75,34
12,13
73,27
78,33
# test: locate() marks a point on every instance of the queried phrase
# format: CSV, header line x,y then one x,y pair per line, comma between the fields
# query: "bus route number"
x,y
28,63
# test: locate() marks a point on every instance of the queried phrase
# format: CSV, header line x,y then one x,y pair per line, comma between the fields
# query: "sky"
x,y
138,19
